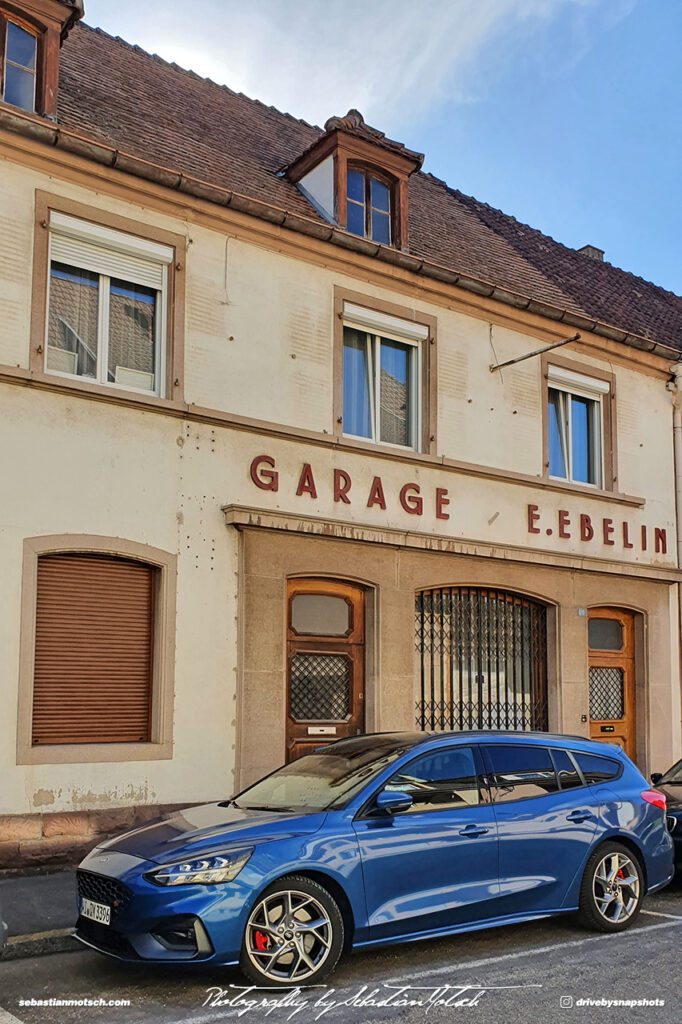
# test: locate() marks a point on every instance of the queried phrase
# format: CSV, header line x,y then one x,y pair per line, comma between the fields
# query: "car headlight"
x,y
218,867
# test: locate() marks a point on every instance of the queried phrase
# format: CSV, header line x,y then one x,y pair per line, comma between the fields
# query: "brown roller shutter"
x,y
94,647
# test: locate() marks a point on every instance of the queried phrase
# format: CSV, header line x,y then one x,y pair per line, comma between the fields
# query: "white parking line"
x,y
218,1015
657,913
7,1018
487,961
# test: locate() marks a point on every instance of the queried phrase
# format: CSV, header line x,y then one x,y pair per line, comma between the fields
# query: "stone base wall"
x,y
62,839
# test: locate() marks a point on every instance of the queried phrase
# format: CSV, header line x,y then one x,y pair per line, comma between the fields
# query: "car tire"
x,y
611,890
294,934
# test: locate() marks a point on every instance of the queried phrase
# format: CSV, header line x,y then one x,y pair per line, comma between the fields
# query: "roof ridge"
x,y
549,238
193,74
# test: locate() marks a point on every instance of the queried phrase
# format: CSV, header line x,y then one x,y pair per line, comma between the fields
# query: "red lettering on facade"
x,y
306,482
441,501
342,484
564,523
266,479
410,500
264,475
376,494
533,518
607,530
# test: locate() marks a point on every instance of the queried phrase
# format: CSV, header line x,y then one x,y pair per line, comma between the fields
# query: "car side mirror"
x,y
656,777
392,803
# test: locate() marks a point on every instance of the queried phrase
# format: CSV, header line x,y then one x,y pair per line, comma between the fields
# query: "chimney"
x,y
592,252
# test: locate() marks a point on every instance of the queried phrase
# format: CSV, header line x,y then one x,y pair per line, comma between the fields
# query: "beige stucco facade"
x,y
259,380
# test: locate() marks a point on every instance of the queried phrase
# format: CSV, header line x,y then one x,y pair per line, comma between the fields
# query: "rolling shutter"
x,y
93,650
83,254
103,251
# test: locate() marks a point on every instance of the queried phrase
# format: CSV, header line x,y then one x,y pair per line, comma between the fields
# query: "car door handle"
x,y
471,831
579,816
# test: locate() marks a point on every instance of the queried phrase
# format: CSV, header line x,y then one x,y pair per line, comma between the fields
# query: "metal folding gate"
x,y
482,659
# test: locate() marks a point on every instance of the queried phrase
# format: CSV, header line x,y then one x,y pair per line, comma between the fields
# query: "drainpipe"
x,y
676,387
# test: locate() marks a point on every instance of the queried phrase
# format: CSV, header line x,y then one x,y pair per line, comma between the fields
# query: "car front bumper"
x,y
151,923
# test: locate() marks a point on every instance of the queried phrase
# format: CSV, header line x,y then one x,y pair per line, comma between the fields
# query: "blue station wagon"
x,y
380,839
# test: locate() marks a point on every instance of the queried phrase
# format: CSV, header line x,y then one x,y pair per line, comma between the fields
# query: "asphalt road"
x,y
518,974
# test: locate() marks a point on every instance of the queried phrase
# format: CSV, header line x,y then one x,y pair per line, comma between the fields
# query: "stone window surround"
x,y
172,390
161,745
427,441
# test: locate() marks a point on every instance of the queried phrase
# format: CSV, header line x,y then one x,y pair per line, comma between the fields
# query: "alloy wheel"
x,y
616,887
288,936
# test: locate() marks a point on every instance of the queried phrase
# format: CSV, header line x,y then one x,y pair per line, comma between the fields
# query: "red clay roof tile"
x,y
136,102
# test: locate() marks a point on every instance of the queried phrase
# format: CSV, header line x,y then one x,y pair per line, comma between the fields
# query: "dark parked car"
x,y
3,928
381,839
670,783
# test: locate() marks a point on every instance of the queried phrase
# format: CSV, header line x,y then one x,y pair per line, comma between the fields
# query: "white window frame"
x,y
103,246
378,327
594,390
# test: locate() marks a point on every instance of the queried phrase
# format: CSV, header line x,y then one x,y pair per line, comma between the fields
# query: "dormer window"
x,y
368,206
20,49
31,33
356,178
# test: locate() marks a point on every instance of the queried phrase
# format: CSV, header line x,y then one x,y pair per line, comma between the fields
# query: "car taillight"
x,y
652,796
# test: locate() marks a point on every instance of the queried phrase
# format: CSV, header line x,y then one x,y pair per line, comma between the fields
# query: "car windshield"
x,y
326,779
673,775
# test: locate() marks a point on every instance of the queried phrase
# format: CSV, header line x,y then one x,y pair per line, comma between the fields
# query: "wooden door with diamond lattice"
x,y
325,663
612,677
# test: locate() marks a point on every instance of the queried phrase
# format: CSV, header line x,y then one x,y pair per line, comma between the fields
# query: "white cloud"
x,y
392,59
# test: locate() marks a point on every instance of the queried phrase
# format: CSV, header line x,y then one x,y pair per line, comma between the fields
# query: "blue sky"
x,y
564,113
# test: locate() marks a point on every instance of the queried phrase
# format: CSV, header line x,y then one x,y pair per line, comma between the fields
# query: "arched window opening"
x,y
482,659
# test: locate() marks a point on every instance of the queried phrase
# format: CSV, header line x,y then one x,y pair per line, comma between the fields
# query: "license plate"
x,y
99,912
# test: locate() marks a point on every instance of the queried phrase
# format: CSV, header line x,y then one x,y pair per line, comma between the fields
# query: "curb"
x,y
61,940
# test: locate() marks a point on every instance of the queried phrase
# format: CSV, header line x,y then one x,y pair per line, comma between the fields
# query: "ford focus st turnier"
x,y
381,839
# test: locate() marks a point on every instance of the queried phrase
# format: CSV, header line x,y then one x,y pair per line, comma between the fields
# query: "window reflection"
x,y
379,388
574,437
368,207
440,780
20,67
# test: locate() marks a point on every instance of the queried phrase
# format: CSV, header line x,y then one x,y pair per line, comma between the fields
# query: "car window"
x,y
439,780
567,773
519,772
673,775
328,778
596,768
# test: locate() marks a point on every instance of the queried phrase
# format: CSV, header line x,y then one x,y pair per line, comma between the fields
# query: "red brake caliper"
x,y
261,940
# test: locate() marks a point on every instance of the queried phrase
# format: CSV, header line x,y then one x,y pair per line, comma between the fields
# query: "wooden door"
x,y
612,677
325,663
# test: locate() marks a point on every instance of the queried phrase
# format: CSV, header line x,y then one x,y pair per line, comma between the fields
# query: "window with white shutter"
x,y
107,306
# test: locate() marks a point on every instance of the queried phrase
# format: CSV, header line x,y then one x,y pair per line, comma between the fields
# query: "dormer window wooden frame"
x,y
27,67
48,21
356,154
367,213
390,166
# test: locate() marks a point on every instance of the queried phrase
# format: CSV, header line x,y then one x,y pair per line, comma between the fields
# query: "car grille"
x,y
104,937
103,890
